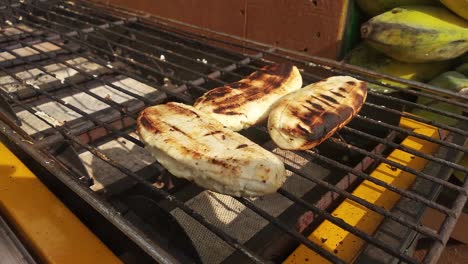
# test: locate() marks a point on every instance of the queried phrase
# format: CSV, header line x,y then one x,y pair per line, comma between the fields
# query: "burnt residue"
x,y
191,153
212,133
238,85
392,168
181,110
338,94
146,122
232,113
222,163
178,130
311,111
325,112
321,100
242,146
329,98
316,106
213,94
348,82
303,129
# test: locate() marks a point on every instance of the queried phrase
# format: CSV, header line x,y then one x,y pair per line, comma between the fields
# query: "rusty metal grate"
x,y
104,46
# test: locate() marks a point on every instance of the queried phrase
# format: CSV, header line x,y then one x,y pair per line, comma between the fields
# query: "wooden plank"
x,y
313,27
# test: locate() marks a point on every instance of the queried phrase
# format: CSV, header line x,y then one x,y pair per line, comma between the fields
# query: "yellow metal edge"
x,y
51,230
344,244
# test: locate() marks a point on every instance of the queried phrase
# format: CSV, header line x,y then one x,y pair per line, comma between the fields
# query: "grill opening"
x,y
76,75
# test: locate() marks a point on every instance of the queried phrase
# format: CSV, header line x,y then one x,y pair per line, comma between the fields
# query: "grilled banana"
x,y
305,118
247,102
191,144
417,34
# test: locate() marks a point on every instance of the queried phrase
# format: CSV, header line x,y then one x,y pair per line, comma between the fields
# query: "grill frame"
x,y
263,54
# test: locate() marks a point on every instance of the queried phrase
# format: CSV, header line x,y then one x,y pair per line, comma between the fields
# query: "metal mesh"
x,y
79,73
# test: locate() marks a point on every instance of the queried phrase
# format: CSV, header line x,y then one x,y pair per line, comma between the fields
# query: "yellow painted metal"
x,y
346,245
54,233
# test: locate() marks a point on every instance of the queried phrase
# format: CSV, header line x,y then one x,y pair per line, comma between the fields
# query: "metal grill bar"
x,y
149,45
307,74
146,101
447,226
71,107
438,111
160,193
384,186
375,122
401,192
186,209
406,149
303,240
403,168
336,66
347,227
325,63
457,167
449,128
441,237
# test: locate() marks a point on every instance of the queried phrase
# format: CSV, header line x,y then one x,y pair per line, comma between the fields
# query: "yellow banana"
x,y
376,7
418,34
460,7
367,57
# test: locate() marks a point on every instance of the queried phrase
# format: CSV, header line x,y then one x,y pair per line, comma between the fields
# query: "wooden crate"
x,y
312,26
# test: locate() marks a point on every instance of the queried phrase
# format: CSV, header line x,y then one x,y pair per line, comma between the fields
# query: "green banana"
x,y
377,7
452,81
460,7
367,57
417,34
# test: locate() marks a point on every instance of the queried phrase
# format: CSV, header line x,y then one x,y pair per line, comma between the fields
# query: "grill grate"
x,y
177,65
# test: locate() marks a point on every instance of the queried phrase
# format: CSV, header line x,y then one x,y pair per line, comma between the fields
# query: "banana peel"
x,y
417,34
377,7
452,81
367,57
459,7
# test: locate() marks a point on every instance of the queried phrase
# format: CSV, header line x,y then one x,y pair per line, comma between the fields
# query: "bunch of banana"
x,y
417,34
452,81
459,7
367,57
377,7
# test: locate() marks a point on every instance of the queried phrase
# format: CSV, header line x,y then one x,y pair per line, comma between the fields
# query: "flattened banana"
x,y
305,118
